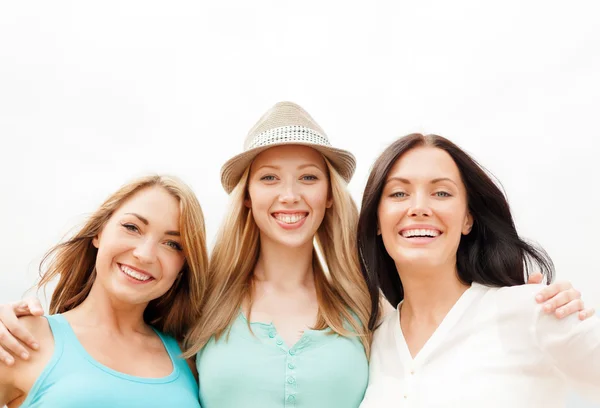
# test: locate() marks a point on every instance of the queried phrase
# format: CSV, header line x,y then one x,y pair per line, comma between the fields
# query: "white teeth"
x,y
420,233
134,274
290,218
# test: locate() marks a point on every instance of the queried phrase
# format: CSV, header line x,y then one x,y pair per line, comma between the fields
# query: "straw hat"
x,y
285,124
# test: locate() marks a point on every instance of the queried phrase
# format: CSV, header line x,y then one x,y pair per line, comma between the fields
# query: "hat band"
x,y
288,134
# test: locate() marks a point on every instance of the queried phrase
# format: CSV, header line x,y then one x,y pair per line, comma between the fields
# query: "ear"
x,y
378,227
468,224
329,202
248,202
95,242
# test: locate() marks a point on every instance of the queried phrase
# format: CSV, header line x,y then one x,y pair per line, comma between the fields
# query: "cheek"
x,y
453,218
259,198
390,215
172,264
107,251
317,199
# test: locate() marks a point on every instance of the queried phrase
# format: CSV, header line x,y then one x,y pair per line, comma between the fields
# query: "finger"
x,y
535,278
14,330
8,342
6,358
27,307
573,306
552,290
560,300
584,314
35,306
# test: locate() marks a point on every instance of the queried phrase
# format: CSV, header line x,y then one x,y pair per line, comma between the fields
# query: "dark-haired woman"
x,y
437,237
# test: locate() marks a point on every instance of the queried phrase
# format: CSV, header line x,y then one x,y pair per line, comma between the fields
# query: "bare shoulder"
x,y
37,325
14,379
32,367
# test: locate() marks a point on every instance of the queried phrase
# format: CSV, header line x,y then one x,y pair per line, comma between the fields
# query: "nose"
x,y
289,193
419,206
145,251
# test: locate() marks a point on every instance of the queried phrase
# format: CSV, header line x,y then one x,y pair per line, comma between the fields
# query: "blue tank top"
x,y
72,378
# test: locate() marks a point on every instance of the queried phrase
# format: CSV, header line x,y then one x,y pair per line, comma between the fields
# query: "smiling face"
x,y
139,249
288,192
423,209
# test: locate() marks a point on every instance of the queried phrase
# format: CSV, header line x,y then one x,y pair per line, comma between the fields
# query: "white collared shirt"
x,y
495,348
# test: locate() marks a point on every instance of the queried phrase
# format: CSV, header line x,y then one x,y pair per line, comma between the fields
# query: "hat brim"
x,y
231,172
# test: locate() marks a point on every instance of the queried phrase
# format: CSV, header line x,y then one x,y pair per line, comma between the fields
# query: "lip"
x,y
287,226
132,280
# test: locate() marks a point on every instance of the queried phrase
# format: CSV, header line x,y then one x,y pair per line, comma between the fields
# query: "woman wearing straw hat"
x,y
279,327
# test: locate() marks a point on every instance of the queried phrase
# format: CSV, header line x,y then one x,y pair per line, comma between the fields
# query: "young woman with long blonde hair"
x,y
283,324
130,285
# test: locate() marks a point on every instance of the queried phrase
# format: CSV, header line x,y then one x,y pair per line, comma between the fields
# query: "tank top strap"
x,y
63,333
172,348
60,330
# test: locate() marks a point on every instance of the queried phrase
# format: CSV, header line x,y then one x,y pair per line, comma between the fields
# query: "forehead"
x,y
425,163
154,203
292,156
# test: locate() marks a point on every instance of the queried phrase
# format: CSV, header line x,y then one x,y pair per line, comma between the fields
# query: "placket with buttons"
x,y
410,375
290,378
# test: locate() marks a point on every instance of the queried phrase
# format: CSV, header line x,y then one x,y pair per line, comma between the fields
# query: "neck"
x,y
283,266
429,293
101,310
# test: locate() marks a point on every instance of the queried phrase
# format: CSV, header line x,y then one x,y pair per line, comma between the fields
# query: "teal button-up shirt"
x,y
257,370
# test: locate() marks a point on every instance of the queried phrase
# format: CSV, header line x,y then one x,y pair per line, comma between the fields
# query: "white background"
x,y
95,93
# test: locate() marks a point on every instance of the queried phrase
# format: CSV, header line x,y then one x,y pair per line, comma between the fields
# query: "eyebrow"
x,y
301,167
406,181
145,221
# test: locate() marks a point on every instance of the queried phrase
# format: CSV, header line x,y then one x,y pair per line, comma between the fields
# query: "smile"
x,y
290,221
420,233
288,218
135,274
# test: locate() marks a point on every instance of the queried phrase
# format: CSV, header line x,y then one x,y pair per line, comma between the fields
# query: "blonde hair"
x,y
341,291
73,261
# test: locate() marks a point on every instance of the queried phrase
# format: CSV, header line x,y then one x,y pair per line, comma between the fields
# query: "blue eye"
x,y
131,227
309,177
175,245
268,178
398,194
443,194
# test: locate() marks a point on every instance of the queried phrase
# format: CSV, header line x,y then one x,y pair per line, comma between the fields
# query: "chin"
x,y
295,243
421,260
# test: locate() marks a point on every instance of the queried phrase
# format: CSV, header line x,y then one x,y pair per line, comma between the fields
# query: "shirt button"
x,y
412,372
271,334
292,352
291,398
279,342
405,396
291,380
291,366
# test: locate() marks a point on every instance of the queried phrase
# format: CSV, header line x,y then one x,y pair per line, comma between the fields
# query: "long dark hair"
x,y
492,253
